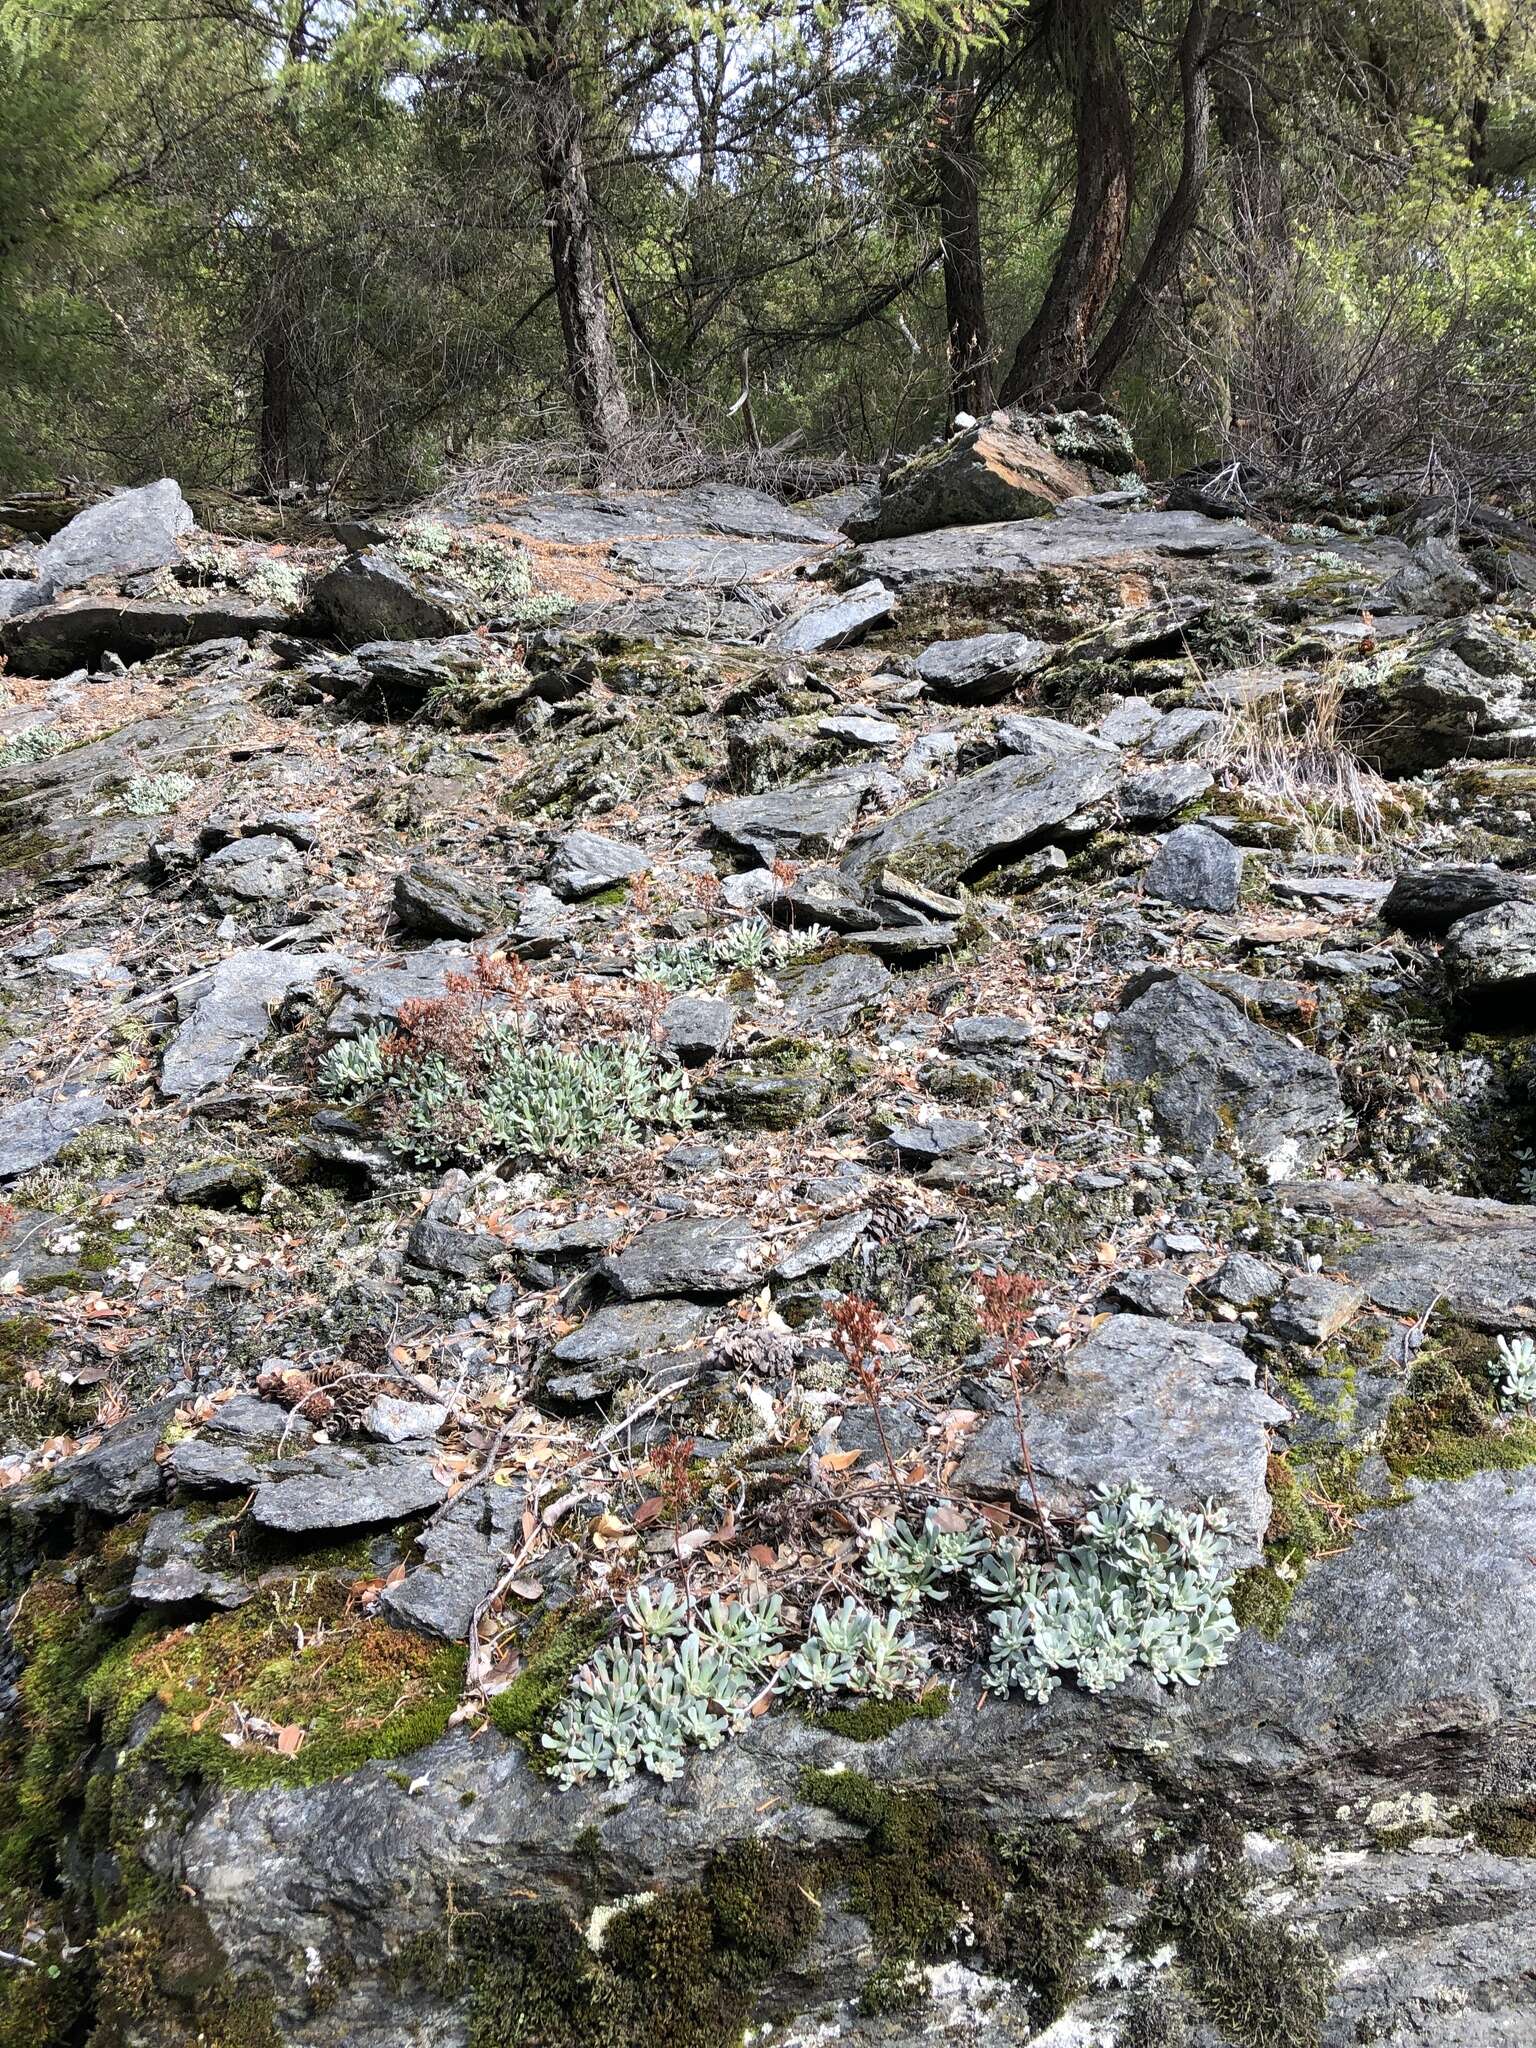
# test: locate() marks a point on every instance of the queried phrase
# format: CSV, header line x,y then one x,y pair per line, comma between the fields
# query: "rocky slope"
x,y
531,1032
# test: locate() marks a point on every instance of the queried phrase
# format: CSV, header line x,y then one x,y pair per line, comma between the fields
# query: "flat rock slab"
x,y
1080,535
691,1255
803,820
838,622
585,518
708,561
174,1569
1175,1412
981,668
1433,899
1412,1248
825,996
34,1131
227,1013
76,632
373,993
1219,1081
440,903
979,820
631,1329
585,863
343,1488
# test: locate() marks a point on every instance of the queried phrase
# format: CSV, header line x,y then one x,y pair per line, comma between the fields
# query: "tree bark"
x,y
274,431
971,387
1160,265
597,387
1052,360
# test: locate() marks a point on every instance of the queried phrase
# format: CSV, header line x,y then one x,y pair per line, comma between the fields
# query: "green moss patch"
x,y
871,1720
1028,1900
1447,1425
297,1655
681,1970
1265,1985
1316,1498
553,1652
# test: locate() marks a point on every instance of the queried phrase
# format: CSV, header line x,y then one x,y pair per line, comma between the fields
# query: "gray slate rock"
x,y
1219,1080
118,1477
803,820
983,818
823,997
623,1330
982,668
125,535
369,596
986,472
1196,869
584,864
1411,1248
690,1255
228,1012
1154,795
838,623
34,1131
1433,899
1079,534
824,1247
174,1570
1175,1412
920,1145
697,1028
1242,1281
1492,954
346,1488
440,903
266,869
1313,1308
389,1419
375,992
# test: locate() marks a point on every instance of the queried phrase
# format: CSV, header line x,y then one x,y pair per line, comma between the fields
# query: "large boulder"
x,y
1491,956
983,818
1464,690
369,596
1196,869
125,535
992,471
1218,1081
1175,1412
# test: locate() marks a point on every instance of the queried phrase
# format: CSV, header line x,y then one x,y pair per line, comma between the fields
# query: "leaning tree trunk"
x,y
971,386
1161,262
597,387
1052,360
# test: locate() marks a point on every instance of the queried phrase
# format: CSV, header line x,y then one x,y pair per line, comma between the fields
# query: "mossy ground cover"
x,y
680,1970
1446,1424
1027,1900
297,1655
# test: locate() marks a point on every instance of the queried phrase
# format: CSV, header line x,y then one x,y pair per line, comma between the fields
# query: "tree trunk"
x,y
971,386
1051,361
1160,265
274,434
597,387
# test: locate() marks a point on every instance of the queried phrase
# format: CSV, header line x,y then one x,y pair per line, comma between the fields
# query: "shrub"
x,y
459,1083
